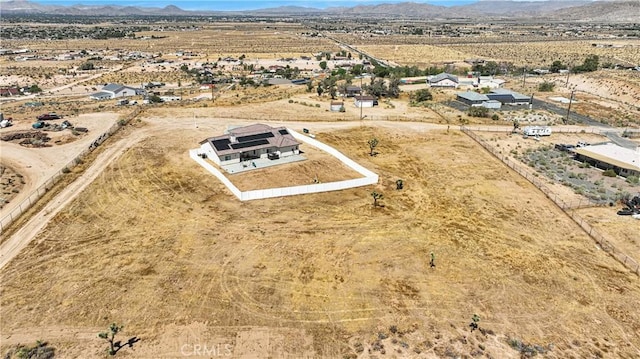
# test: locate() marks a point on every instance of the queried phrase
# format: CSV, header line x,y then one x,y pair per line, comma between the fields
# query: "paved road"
x,y
543,105
585,120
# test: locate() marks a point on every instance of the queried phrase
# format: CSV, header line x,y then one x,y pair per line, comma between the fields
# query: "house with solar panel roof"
x,y
250,142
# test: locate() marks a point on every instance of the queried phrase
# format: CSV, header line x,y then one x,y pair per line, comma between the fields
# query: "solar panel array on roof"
x,y
259,142
255,137
222,144
283,132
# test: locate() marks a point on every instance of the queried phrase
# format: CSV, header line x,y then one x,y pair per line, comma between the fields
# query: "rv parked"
x,y
537,131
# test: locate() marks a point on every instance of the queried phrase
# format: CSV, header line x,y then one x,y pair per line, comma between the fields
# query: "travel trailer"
x,y
537,131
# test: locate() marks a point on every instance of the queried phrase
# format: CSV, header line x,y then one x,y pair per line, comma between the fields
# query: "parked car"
x,y
49,116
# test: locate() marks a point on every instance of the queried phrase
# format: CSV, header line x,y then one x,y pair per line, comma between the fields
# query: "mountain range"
x,y
568,10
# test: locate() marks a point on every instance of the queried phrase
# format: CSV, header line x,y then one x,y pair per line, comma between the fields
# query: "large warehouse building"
x,y
625,162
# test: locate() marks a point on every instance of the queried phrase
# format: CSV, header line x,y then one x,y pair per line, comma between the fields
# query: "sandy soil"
x,y
148,239
189,264
38,165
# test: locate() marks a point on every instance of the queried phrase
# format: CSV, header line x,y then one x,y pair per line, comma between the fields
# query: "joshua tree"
x,y
109,336
376,196
399,184
474,322
372,145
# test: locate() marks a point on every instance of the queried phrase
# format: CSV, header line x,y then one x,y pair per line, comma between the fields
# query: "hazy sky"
x,y
246,4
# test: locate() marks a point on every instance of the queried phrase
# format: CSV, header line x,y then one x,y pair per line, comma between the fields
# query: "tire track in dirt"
x,y
19,240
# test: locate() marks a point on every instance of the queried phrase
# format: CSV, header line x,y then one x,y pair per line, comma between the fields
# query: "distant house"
x,y
443,80
336,106
472,98
365,101
112,91
507,96
9,91
250,142
351,91
623,161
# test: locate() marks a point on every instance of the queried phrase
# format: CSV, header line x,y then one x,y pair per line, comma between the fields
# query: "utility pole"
x,y
524,76
566,121
212,95
361,118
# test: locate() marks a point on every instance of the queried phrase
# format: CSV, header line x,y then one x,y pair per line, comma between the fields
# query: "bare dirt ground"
x,y
569,52
37,165
156,244
148,239
313,168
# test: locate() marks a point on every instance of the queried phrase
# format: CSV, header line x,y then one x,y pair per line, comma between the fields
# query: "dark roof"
x,y
251,137
365,98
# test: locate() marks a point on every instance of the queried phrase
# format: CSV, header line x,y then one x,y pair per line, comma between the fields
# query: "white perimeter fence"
x,y
369,177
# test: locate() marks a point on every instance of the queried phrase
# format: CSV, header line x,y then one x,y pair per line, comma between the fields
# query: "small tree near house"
x,y
373,143
376,196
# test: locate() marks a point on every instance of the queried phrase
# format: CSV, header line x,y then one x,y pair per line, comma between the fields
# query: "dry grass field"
x,y
416,55
263,40
157,244
543,53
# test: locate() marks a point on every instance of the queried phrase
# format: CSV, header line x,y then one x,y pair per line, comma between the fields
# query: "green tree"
x,y
394,87
421,95
87,66
320,89
377,87
376,196
546,86
373,143
35,89
155,99
323,65
556,66
590,64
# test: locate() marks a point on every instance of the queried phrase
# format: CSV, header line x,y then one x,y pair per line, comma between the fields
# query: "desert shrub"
x,y
480,111
290,101
633,179
421,95
546,86
87,66
41,350
609,173
495,117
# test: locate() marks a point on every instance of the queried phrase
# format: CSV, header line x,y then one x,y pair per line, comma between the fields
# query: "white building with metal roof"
x,y
624,161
